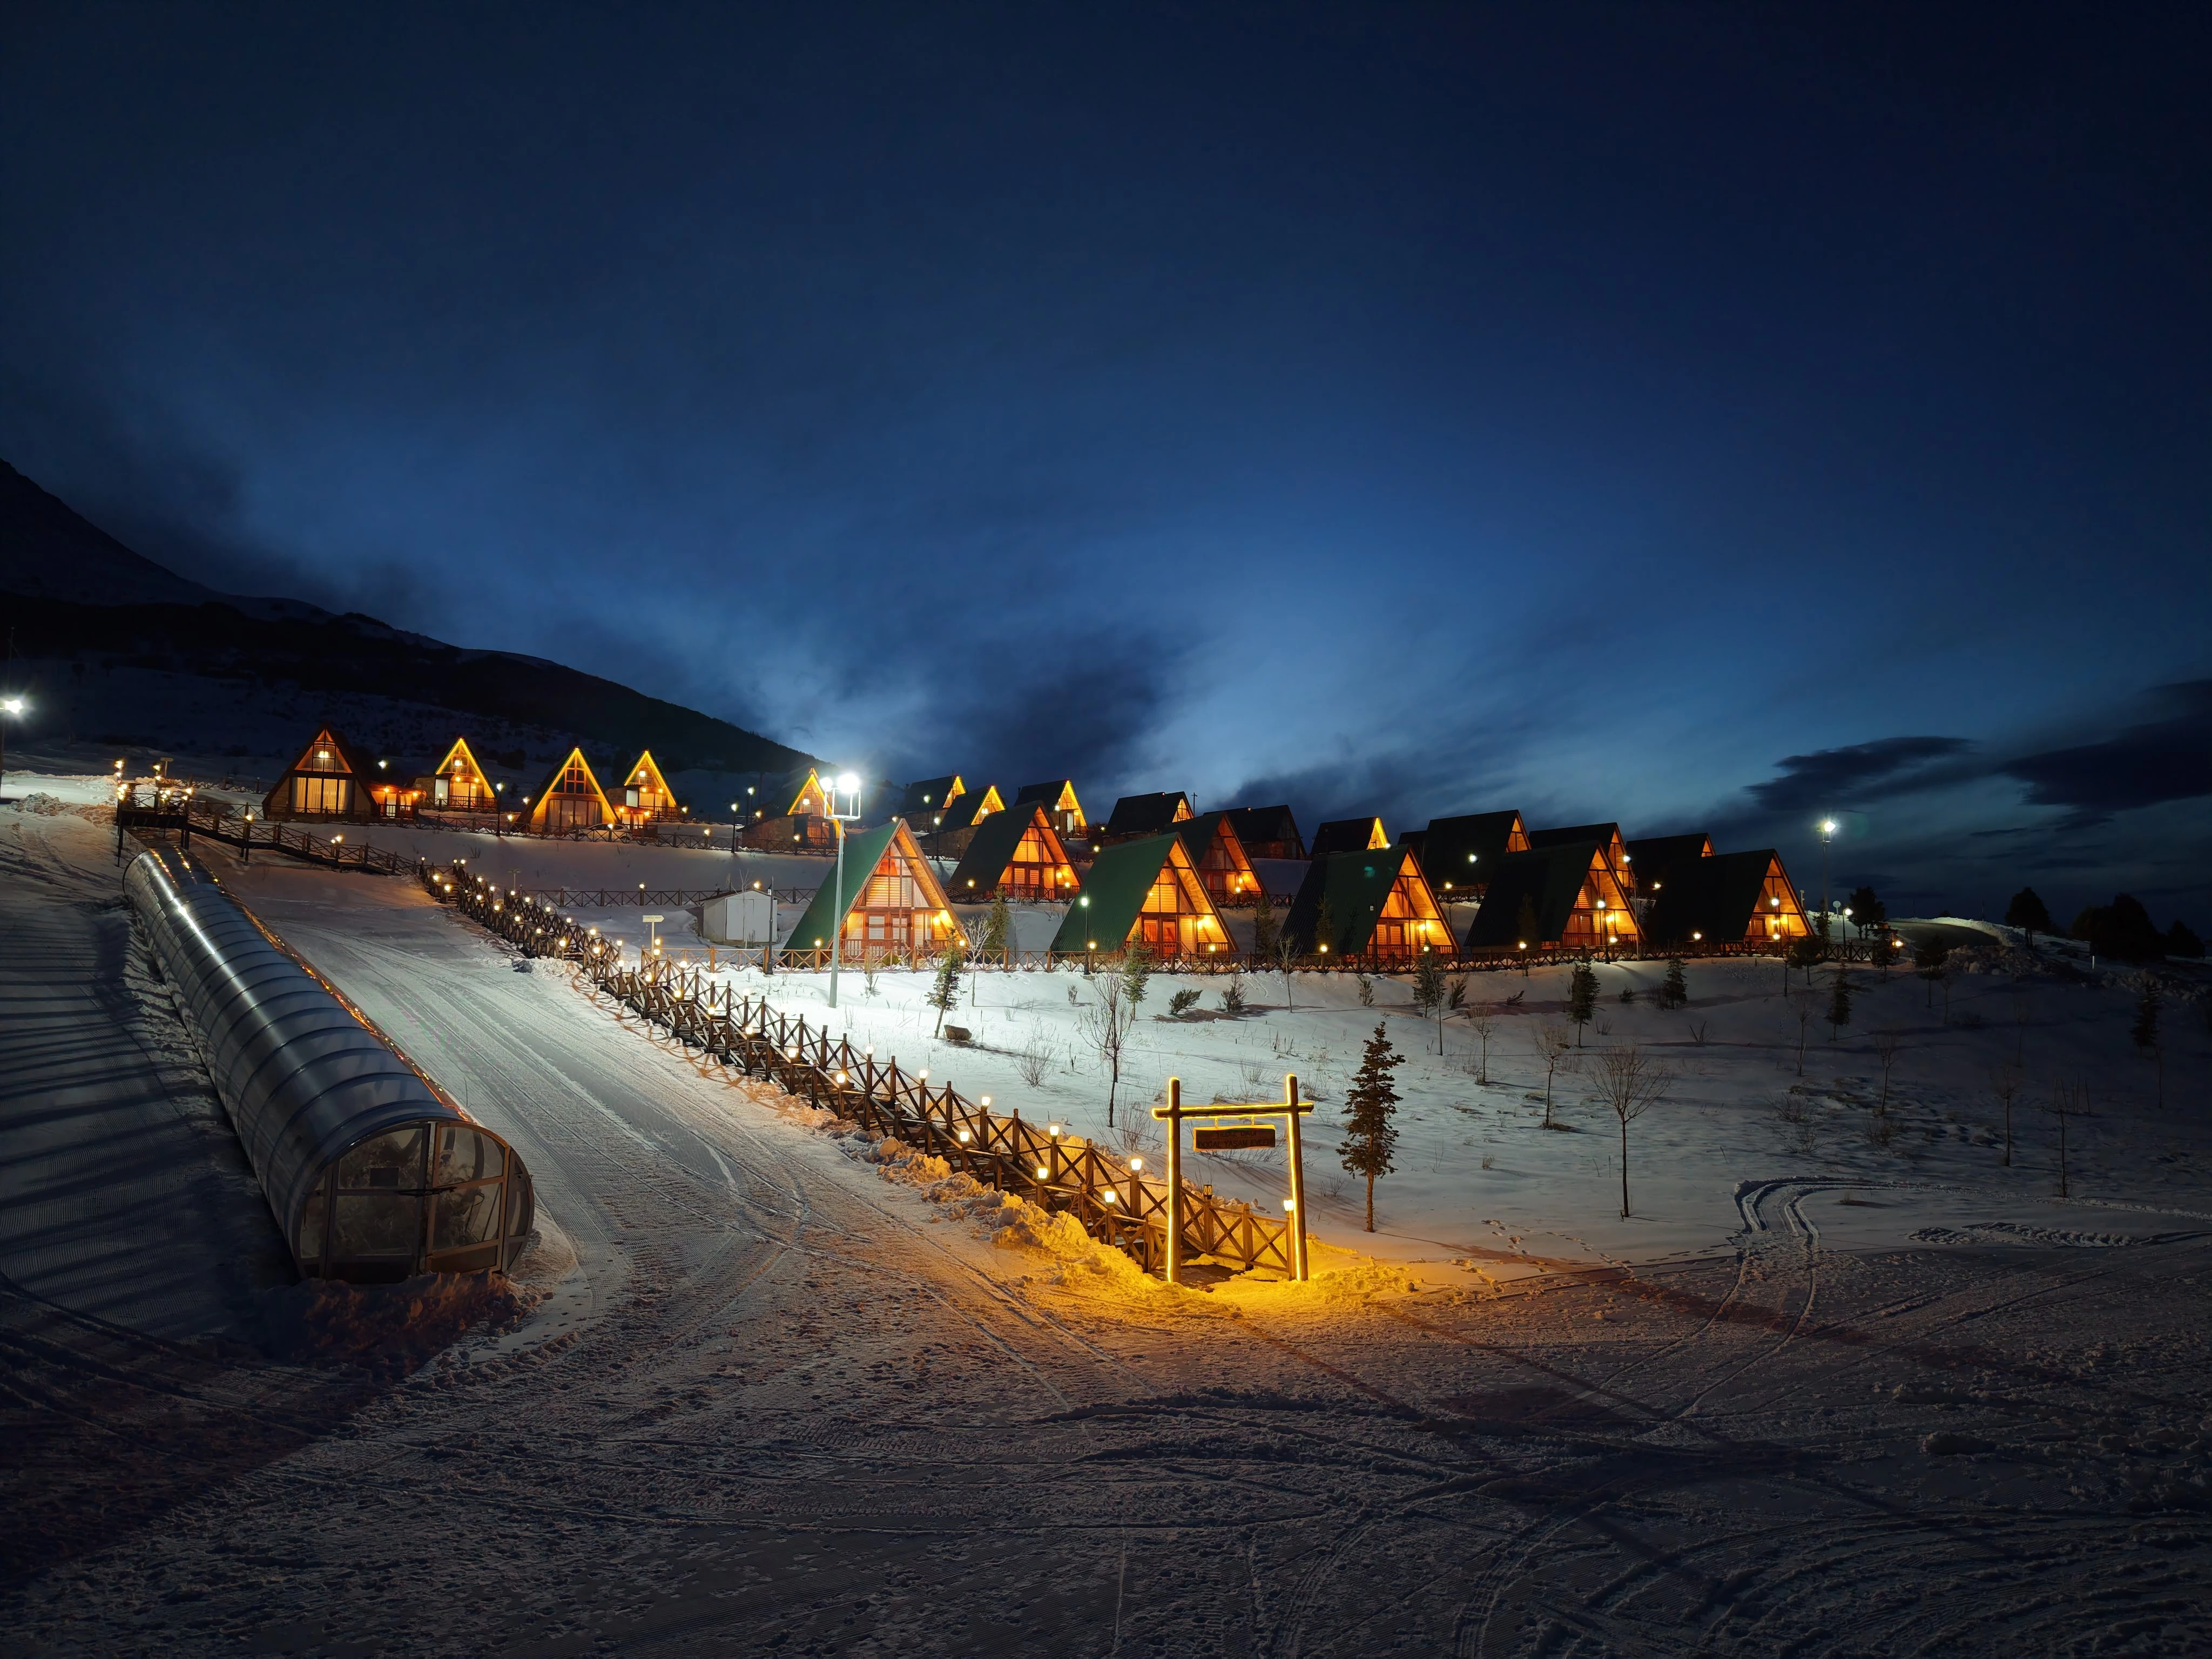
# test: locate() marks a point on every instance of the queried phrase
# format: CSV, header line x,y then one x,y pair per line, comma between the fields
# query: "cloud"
x,y
2160,760
1864,771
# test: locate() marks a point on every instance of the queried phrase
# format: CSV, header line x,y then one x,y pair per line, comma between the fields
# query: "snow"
x,y
803,1392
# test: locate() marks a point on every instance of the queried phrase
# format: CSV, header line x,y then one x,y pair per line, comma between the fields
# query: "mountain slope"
x,y
107,642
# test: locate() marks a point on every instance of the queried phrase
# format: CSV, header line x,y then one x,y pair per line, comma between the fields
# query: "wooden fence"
x,y
189,815
1115,1202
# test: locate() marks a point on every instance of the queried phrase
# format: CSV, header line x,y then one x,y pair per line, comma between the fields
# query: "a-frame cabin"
x,y
1654,859
1554,898
329,781
1606,835
1137,816
956,825
796,818
1268,832
1018,853
1057,796
1458,853
894,904
460,783
570,800
1368,906
646,798
1211,841
924,801
1144,892
1731,900
1349,836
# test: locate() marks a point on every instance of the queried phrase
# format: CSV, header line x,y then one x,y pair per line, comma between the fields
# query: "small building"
x,y
1136,815
1458,853
1211,841
894,905
1554,898
331,780
458,783
1057,796
1349,836
570,800
1268,832
1018,853
796,816
646,798
1654,858
1608,835
1368,906
1729,901
923,801
952,829
1142,892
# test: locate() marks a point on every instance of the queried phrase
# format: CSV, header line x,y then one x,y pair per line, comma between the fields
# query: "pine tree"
x,y
998,928
1136,972
2029,913
1839,1005
1674,991
1370,1137
1867,909
1928,960
946,990
1582,998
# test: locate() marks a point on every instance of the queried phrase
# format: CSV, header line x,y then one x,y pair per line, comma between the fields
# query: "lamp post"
x,y
12,708
843,784
1827,834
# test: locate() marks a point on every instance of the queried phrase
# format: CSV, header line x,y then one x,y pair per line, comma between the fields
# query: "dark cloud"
x,y
2160,760
1864,771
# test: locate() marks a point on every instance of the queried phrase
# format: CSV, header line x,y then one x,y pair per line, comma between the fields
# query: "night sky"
x,y
1705,418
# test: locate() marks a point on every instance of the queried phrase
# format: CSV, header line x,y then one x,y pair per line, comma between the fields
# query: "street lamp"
x,y
12,706
1827,834
843,784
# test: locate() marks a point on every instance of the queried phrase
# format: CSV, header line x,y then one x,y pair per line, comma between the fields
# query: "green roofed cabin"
x,y
1146,892
1606,835
1146,815
894,904
1349,836
1211,841
1553,898
1730,901
1458,853
955,827
1655,857
1018,853
1057,797
925,800
1370,905
1268,832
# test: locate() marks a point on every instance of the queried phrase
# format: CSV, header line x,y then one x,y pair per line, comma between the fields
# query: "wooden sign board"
x,y
1224,1140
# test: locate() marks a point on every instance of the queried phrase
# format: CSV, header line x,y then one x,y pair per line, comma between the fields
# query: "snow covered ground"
x,y
1819,1394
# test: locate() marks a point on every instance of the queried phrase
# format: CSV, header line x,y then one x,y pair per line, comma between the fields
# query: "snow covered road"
x,y
785,1403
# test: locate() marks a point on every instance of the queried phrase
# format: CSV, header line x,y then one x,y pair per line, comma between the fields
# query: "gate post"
x,y
1171,1269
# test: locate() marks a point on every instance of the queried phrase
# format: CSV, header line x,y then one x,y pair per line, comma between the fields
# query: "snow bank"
x,y
393,1330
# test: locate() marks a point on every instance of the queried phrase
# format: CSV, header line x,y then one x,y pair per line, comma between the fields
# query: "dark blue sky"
x,y
1700,419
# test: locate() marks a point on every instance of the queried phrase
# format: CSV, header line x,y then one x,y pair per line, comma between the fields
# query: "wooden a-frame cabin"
x,y
956,826
1368,905
1268,832
1057,796
1458,853
795,817
1655,858
1731,900
1137,816
923,801
458,783
1142,892
646,798
1349,836
894,903
569,801
1018,853
1606,835
1211,841
331,780
1551,899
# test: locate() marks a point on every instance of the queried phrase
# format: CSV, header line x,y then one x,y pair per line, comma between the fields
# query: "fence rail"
x,y
1066,1174
189,815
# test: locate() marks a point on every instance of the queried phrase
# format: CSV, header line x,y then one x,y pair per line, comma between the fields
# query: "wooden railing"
x,y
1115,1202
189,815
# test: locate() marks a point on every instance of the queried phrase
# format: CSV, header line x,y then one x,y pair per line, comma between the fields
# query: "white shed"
x,y
741,918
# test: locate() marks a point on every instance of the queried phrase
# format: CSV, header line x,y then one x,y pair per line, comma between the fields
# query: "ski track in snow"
x,y
784,1402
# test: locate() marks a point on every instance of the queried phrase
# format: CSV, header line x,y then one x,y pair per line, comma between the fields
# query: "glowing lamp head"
x,y
846,783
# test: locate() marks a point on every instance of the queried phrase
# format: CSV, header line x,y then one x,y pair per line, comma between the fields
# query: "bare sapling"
x,y
1632,1082
1429,994
2005,1080
1034,1061
1800,1004
1483,1022
1886,1047
1555,1047
1105,1024
2068,1099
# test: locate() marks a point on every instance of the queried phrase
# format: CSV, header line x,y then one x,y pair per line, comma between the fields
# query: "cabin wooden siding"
x,y
646,798
569,799
1268,832
458,783
331,780
1057,796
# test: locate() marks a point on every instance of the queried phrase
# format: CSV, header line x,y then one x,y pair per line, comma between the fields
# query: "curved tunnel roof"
x,y
370,1171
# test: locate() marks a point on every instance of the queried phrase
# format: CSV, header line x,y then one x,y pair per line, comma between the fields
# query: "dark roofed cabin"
x,y
923,801
1137,816
1606,835
952,828
1733,900
1653,857
1057,797
1349,836
1015,853
1268,832
1211,841
1377,906
1553,898
1458,853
